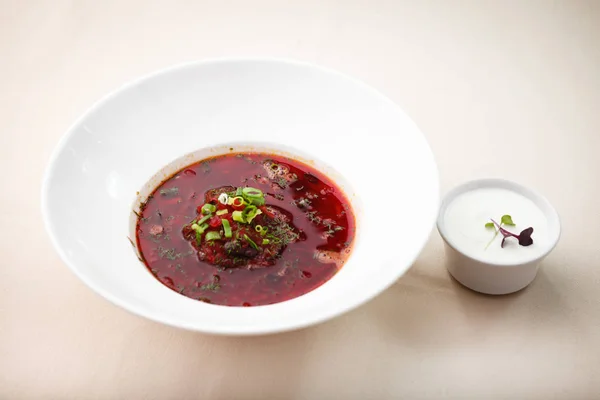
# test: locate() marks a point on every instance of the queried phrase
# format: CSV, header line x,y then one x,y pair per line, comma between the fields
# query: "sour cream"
x,y
465,217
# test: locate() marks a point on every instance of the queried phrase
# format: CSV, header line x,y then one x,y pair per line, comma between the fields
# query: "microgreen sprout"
x,y
524,237
504,220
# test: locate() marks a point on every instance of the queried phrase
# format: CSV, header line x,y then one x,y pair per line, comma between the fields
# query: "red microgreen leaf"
x,y
524,237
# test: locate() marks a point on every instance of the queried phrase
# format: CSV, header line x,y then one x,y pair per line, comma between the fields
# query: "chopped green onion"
x,y
212,235
226,228
238,217
251,242
222,212
250,217
204,219
223,198
237,201
251,192
199,229
261,229
253,196
250,212
203,227
208,209
238,192
265,241
198,237
258,201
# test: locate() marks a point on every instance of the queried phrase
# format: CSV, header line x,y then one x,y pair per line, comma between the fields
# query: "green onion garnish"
x,y
237,201
199,228
208,209
203,227
250,217
250,212
265,241
251,193
223,198
257,201
251,242
253,196
222,212
238,217
203,220
238,192
226,228
261,229
212,235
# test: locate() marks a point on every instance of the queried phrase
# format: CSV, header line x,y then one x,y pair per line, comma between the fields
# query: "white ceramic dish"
x,y
345,127
492,269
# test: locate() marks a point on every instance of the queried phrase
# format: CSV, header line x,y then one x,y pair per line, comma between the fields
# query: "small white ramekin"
x,y
496,277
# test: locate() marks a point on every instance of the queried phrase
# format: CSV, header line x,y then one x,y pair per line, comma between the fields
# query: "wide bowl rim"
x,y
349,303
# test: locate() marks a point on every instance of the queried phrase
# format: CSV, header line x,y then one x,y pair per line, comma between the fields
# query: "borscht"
x,y
245,229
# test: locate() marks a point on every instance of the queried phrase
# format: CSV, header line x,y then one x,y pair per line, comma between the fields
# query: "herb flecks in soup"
x,y
245,229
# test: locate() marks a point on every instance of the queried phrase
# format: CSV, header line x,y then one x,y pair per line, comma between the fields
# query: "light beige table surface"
x,y
505,88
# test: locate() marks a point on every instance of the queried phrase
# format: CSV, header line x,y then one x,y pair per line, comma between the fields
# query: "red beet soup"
x,y
245,229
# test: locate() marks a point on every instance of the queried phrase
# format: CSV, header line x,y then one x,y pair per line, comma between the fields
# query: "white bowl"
x,y
355,134
497,277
